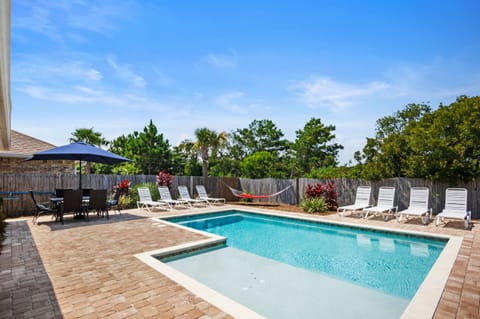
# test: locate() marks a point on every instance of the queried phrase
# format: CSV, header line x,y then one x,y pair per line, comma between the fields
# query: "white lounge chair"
x,y
455,207
362,200
185,195
385,203
418,205
166,197
145,200
202,194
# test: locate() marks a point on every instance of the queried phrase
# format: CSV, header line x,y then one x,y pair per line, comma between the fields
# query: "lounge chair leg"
x,y
425,219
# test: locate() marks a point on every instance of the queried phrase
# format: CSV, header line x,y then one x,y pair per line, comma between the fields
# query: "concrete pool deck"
x,y
88,269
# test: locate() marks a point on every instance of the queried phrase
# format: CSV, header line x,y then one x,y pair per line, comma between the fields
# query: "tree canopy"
x,y
416,141
148,150
88,135
314,147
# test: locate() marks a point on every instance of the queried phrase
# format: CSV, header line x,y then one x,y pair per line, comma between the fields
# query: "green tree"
x,y
260,164
88,135
314,147
259,136
446,144
186,159
148,150
416,142
386,154
208,142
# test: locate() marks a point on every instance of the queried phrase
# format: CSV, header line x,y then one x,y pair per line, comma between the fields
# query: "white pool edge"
x,y
422,305
425,301
208,294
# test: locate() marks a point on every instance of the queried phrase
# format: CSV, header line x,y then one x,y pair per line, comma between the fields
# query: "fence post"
x,y
297,193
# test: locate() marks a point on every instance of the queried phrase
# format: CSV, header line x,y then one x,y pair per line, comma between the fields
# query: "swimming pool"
x,y
376,260
303,284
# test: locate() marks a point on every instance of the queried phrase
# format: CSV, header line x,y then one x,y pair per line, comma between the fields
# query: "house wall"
x,y
19,165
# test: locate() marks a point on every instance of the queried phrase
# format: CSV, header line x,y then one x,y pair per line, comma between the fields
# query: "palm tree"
x,y
207,141
88,135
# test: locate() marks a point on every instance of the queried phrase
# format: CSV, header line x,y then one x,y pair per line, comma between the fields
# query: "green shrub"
x,y
247,199
126,201
314,205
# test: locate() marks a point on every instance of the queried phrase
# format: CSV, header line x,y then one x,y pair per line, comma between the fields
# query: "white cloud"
x,y
98,16
125,73
93,74
230,101
74,95
38,20
32,69
434,82
222,60
87,96
324,92
58,19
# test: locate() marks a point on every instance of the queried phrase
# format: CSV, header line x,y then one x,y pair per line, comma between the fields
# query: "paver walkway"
x,y
88,270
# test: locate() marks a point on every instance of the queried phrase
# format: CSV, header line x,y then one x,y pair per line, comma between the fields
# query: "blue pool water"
x,y
393,264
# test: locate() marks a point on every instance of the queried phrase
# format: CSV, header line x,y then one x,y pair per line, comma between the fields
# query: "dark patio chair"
x,y
40,208
59,191
86,192
72,202
98,202
115,202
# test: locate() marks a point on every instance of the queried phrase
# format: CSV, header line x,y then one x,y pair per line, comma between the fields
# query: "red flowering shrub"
x,y
330,190
327,191
123,187
164,178
313,190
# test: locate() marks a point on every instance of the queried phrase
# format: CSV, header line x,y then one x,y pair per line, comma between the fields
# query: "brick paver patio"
x,y
88,270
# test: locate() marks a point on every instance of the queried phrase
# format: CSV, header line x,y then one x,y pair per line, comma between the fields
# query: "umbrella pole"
x,y
80,179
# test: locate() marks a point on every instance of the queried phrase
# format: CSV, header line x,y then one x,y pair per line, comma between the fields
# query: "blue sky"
x,y
114,65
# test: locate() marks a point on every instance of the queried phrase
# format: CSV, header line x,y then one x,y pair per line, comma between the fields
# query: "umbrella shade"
x,y
79,151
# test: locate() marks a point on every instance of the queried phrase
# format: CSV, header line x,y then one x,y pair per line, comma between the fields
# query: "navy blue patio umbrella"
x,y
79,151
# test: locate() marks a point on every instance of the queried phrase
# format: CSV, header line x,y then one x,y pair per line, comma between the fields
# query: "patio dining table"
x,y
57,204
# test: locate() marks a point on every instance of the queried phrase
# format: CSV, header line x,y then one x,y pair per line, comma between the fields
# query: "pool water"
x,y
332,259
391,263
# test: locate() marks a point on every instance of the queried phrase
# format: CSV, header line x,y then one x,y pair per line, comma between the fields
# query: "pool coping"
x,y
422,305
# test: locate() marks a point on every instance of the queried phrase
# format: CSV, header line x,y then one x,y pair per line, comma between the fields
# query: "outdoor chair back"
x,y
386,196
59,191
114,202
419,197
86,191
39,208
144,194
456,199
72,202
362,197
164,193
183,192
98,201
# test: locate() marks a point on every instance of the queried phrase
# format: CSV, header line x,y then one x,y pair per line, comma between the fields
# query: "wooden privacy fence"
x,y
14,188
